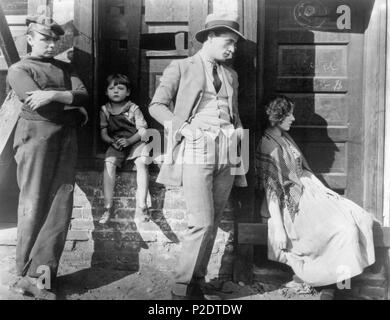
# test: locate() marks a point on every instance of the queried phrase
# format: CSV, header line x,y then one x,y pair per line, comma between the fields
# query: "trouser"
x,y
46,156
206,190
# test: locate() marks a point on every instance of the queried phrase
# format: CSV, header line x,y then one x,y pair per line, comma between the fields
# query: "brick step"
x,y
124,207
125,244
89,192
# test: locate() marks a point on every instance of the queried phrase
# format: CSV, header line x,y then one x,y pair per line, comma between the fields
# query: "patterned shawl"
x,y
278,172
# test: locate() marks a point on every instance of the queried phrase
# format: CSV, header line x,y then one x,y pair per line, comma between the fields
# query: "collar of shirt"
x,y
124,109
209,64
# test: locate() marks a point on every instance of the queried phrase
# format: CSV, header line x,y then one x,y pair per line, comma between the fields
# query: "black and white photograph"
x,y
217,151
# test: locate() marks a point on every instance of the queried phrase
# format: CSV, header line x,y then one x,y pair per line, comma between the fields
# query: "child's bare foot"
x,y
106,216
143,213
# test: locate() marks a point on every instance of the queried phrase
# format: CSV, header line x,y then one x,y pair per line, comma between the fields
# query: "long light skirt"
x,y
330,240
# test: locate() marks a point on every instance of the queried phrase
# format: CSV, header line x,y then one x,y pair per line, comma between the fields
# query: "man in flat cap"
x,y
46,153
203,125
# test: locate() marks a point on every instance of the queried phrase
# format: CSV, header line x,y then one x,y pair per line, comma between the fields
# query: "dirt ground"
x,y
146,284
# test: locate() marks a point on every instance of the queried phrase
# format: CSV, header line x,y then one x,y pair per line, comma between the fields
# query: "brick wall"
x,y
125,245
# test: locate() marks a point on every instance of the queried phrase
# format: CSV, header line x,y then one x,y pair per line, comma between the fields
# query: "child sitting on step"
x,y
124,128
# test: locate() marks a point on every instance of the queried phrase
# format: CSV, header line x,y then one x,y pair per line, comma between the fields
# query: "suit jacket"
x,y
182,84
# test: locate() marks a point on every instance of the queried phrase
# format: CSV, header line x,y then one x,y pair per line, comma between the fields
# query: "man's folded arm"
x,y
21,82
79,92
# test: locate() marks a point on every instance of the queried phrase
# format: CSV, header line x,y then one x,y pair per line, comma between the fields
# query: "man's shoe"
x,y
28,287
194,293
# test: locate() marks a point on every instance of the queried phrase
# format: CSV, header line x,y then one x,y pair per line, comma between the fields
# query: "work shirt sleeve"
x,y
140,122
79,92
21,81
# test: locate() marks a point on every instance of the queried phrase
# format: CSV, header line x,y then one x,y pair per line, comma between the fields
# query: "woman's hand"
x,y
281,238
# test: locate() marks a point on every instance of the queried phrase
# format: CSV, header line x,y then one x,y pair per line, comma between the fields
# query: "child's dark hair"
x,y
118,78
278,108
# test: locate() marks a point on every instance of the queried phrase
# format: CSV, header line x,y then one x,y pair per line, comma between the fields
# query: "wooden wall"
x,y
15,12
374,107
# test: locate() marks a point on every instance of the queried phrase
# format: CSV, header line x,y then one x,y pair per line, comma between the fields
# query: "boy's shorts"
x,y
133,152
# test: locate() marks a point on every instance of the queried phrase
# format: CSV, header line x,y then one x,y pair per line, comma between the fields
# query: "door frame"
x,y
386,169
376,122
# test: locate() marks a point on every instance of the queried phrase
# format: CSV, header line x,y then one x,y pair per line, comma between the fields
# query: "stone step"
x,y
269,274
126,245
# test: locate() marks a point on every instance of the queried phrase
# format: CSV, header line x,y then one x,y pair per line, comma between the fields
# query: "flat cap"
x,y
44,25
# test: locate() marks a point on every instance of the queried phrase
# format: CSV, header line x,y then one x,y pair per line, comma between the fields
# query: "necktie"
x,y
217,81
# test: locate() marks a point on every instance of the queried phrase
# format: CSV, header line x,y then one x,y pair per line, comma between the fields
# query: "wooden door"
x,y
164,37
119,25
314,54
140,38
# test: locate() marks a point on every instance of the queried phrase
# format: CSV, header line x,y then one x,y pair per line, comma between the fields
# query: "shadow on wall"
x,y
113,250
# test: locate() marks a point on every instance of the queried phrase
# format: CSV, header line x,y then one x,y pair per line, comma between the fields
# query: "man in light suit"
x,y
202,128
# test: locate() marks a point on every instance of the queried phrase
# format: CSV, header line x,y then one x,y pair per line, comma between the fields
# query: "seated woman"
x,y
325,238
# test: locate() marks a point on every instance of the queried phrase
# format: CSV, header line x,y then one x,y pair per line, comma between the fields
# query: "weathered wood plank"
x,y
318,37
312,60
319,109
166,54
294,16
16,20
386,169
7,43
325,157
320,133
256,234
245,64
9,113
84,64
336,181
39,7
374,110
14,7
167,28
166,10
198,10
312,84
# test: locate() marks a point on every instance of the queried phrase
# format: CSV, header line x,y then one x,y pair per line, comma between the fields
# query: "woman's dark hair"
x,y
278,108
118,78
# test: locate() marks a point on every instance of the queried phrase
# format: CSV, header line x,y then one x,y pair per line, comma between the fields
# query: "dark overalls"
x,y
120,127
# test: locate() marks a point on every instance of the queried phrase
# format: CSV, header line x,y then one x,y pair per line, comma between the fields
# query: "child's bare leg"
x,y
142,181
142,188
108,188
